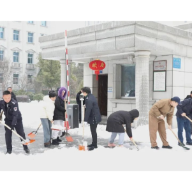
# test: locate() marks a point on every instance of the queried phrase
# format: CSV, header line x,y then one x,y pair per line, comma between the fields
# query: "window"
x,y
15,35
30,22
128,80
29,78
30,58
43,23
15,78
1,32
1,55
1,77
30,37
16,57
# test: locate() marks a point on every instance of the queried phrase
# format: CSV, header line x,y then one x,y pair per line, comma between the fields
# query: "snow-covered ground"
x,y
117,159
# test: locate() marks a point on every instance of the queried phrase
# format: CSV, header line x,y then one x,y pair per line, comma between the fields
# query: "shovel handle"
x,y
173,132
13,131
37,128
189,119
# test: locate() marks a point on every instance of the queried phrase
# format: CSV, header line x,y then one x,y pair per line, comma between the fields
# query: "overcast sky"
x,y
62,25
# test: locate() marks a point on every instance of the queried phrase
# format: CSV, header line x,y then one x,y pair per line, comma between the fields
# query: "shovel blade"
x,y
31,135
69,138
27,142
81,148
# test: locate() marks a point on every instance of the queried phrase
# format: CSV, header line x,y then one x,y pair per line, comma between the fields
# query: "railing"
x,y
30,66
16,65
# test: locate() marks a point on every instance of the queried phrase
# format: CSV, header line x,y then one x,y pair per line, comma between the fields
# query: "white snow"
x,y
120,159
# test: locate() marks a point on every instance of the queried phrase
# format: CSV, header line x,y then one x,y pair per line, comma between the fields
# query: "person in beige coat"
x,y
161,109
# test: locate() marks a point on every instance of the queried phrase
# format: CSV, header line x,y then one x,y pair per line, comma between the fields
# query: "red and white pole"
x,y
67,69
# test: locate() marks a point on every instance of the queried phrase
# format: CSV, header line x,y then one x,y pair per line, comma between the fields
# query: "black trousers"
x,y
8,133
93,128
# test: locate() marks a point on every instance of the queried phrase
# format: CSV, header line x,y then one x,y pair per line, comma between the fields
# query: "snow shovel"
x,y
33,133
83,146
181,144
23,141
67,135
134,143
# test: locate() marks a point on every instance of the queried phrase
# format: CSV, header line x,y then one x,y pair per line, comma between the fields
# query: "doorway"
x,y
102,94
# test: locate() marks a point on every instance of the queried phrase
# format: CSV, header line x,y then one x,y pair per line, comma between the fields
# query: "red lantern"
x,y
97,65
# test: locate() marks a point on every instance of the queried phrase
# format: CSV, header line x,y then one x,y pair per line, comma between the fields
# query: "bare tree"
x,y
6,74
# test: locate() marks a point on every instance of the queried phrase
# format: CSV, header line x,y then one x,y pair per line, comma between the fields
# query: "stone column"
x,y
142,85
63,73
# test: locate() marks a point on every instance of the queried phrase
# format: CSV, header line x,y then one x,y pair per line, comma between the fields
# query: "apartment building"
x,y
19,47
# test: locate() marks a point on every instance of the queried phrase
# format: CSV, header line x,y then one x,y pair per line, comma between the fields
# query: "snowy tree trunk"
x,y
142,86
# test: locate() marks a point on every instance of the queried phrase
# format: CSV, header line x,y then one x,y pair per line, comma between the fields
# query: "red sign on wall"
x,y
97,65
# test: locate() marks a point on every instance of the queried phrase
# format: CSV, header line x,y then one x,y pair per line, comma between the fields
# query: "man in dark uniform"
x,y
13,119
92,115
13,96
79,103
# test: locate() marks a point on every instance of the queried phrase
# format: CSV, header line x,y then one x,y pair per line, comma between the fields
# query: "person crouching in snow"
x,y
157,113
115,125
46,116
59,115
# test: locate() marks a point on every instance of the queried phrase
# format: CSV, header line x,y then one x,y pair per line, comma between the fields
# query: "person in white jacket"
x,y
46,115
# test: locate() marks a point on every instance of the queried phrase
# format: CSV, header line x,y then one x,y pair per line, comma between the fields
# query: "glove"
x,y
12,127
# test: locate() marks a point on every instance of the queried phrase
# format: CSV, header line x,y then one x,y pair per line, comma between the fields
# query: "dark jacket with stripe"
x,y
184,107
59,113
11,111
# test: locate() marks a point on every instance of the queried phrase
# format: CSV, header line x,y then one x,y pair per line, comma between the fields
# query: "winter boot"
x,y
8,152
167,147
26,149
59,140
63,133
156,147
111,145
189,143
91,145
47,144
54,142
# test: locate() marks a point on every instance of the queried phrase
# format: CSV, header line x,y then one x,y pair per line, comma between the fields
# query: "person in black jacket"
x,y
189,96
79,103
59,116
115,124
92,115
190,116
13,119
184,109
13,96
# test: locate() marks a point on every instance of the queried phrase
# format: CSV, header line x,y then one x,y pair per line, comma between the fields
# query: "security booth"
x,y
145,62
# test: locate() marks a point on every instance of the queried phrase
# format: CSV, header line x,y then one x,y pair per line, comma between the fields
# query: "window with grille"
x,y
30,37
29,78
43,23
1,32
1,77
30,58
30,22
15,78
1,55
15,57
15,35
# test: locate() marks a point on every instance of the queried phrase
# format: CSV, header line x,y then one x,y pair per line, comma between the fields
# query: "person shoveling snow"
x,y
13,120
115,124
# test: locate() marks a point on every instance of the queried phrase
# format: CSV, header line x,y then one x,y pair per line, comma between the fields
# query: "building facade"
x,y
19,46
145,62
